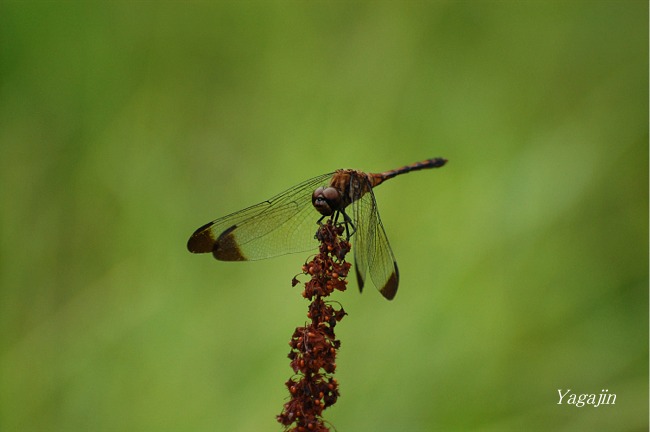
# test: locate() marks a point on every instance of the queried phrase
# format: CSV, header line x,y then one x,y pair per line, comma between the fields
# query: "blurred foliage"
x,y
524,261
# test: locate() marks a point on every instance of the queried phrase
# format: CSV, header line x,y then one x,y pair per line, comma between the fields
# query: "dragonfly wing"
x,y
372,252
283,224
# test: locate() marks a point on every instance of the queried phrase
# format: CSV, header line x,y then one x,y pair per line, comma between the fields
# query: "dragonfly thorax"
x,y
326,200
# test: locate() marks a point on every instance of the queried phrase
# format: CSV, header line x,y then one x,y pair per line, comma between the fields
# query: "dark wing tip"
x,y
359,278
226,248
390,288
201,241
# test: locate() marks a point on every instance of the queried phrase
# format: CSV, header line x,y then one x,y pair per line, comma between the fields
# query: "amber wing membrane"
x,y
372,252
283,224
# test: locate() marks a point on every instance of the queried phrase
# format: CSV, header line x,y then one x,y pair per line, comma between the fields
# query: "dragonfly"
x,y
285,224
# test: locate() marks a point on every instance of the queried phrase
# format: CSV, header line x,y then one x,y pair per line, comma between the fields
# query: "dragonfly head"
x,y
326,200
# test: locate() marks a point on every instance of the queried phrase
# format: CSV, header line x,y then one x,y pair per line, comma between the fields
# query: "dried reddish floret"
x,y
314,346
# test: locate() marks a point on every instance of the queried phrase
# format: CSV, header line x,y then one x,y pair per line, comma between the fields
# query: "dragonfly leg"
x,y
347,220
335,219
348,223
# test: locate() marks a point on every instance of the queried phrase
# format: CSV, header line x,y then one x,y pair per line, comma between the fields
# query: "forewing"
x,y
372,252
283,224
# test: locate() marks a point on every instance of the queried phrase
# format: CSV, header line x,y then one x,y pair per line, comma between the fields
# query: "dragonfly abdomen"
x,y
377,179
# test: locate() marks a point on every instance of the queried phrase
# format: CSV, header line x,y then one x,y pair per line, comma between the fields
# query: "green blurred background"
x,y
125,126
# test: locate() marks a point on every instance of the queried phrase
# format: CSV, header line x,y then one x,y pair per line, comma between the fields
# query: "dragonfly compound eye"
x,y
326,200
